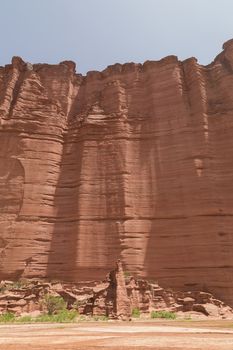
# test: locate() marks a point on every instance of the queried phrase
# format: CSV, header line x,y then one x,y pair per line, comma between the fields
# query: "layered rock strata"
x,y
134,162
108,300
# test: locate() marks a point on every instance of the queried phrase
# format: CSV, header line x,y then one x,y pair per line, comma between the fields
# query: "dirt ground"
x,y
159,335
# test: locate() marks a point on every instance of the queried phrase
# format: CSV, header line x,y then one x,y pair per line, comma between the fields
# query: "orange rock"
x,y
133,162
123,309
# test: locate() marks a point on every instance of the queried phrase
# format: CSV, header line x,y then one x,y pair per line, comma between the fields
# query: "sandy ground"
x,y
160,335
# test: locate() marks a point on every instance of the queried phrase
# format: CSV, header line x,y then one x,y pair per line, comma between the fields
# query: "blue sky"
x,y
97,33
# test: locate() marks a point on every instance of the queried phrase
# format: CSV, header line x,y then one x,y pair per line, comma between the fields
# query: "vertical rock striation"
x,y
123,307
134,162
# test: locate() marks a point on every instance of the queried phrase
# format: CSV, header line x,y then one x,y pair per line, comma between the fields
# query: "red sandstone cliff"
x,y
133,162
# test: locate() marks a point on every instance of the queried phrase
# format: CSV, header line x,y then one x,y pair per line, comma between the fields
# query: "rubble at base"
x,y
115,298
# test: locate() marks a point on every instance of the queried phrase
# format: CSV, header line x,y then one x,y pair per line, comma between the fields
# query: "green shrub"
x,y
82,318
127,274
163,314
25,319
100,318
62,316
3,289
44,318
16,285
7,317
136,312
54,303
65,316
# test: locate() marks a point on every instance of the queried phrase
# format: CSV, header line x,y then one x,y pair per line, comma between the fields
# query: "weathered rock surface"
x,y
133,162
123,309
117,297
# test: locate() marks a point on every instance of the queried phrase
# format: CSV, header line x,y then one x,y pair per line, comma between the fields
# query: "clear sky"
x,y
97,33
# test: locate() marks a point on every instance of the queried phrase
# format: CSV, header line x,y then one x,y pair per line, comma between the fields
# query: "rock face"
x,y
134,162
114,298
123,309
